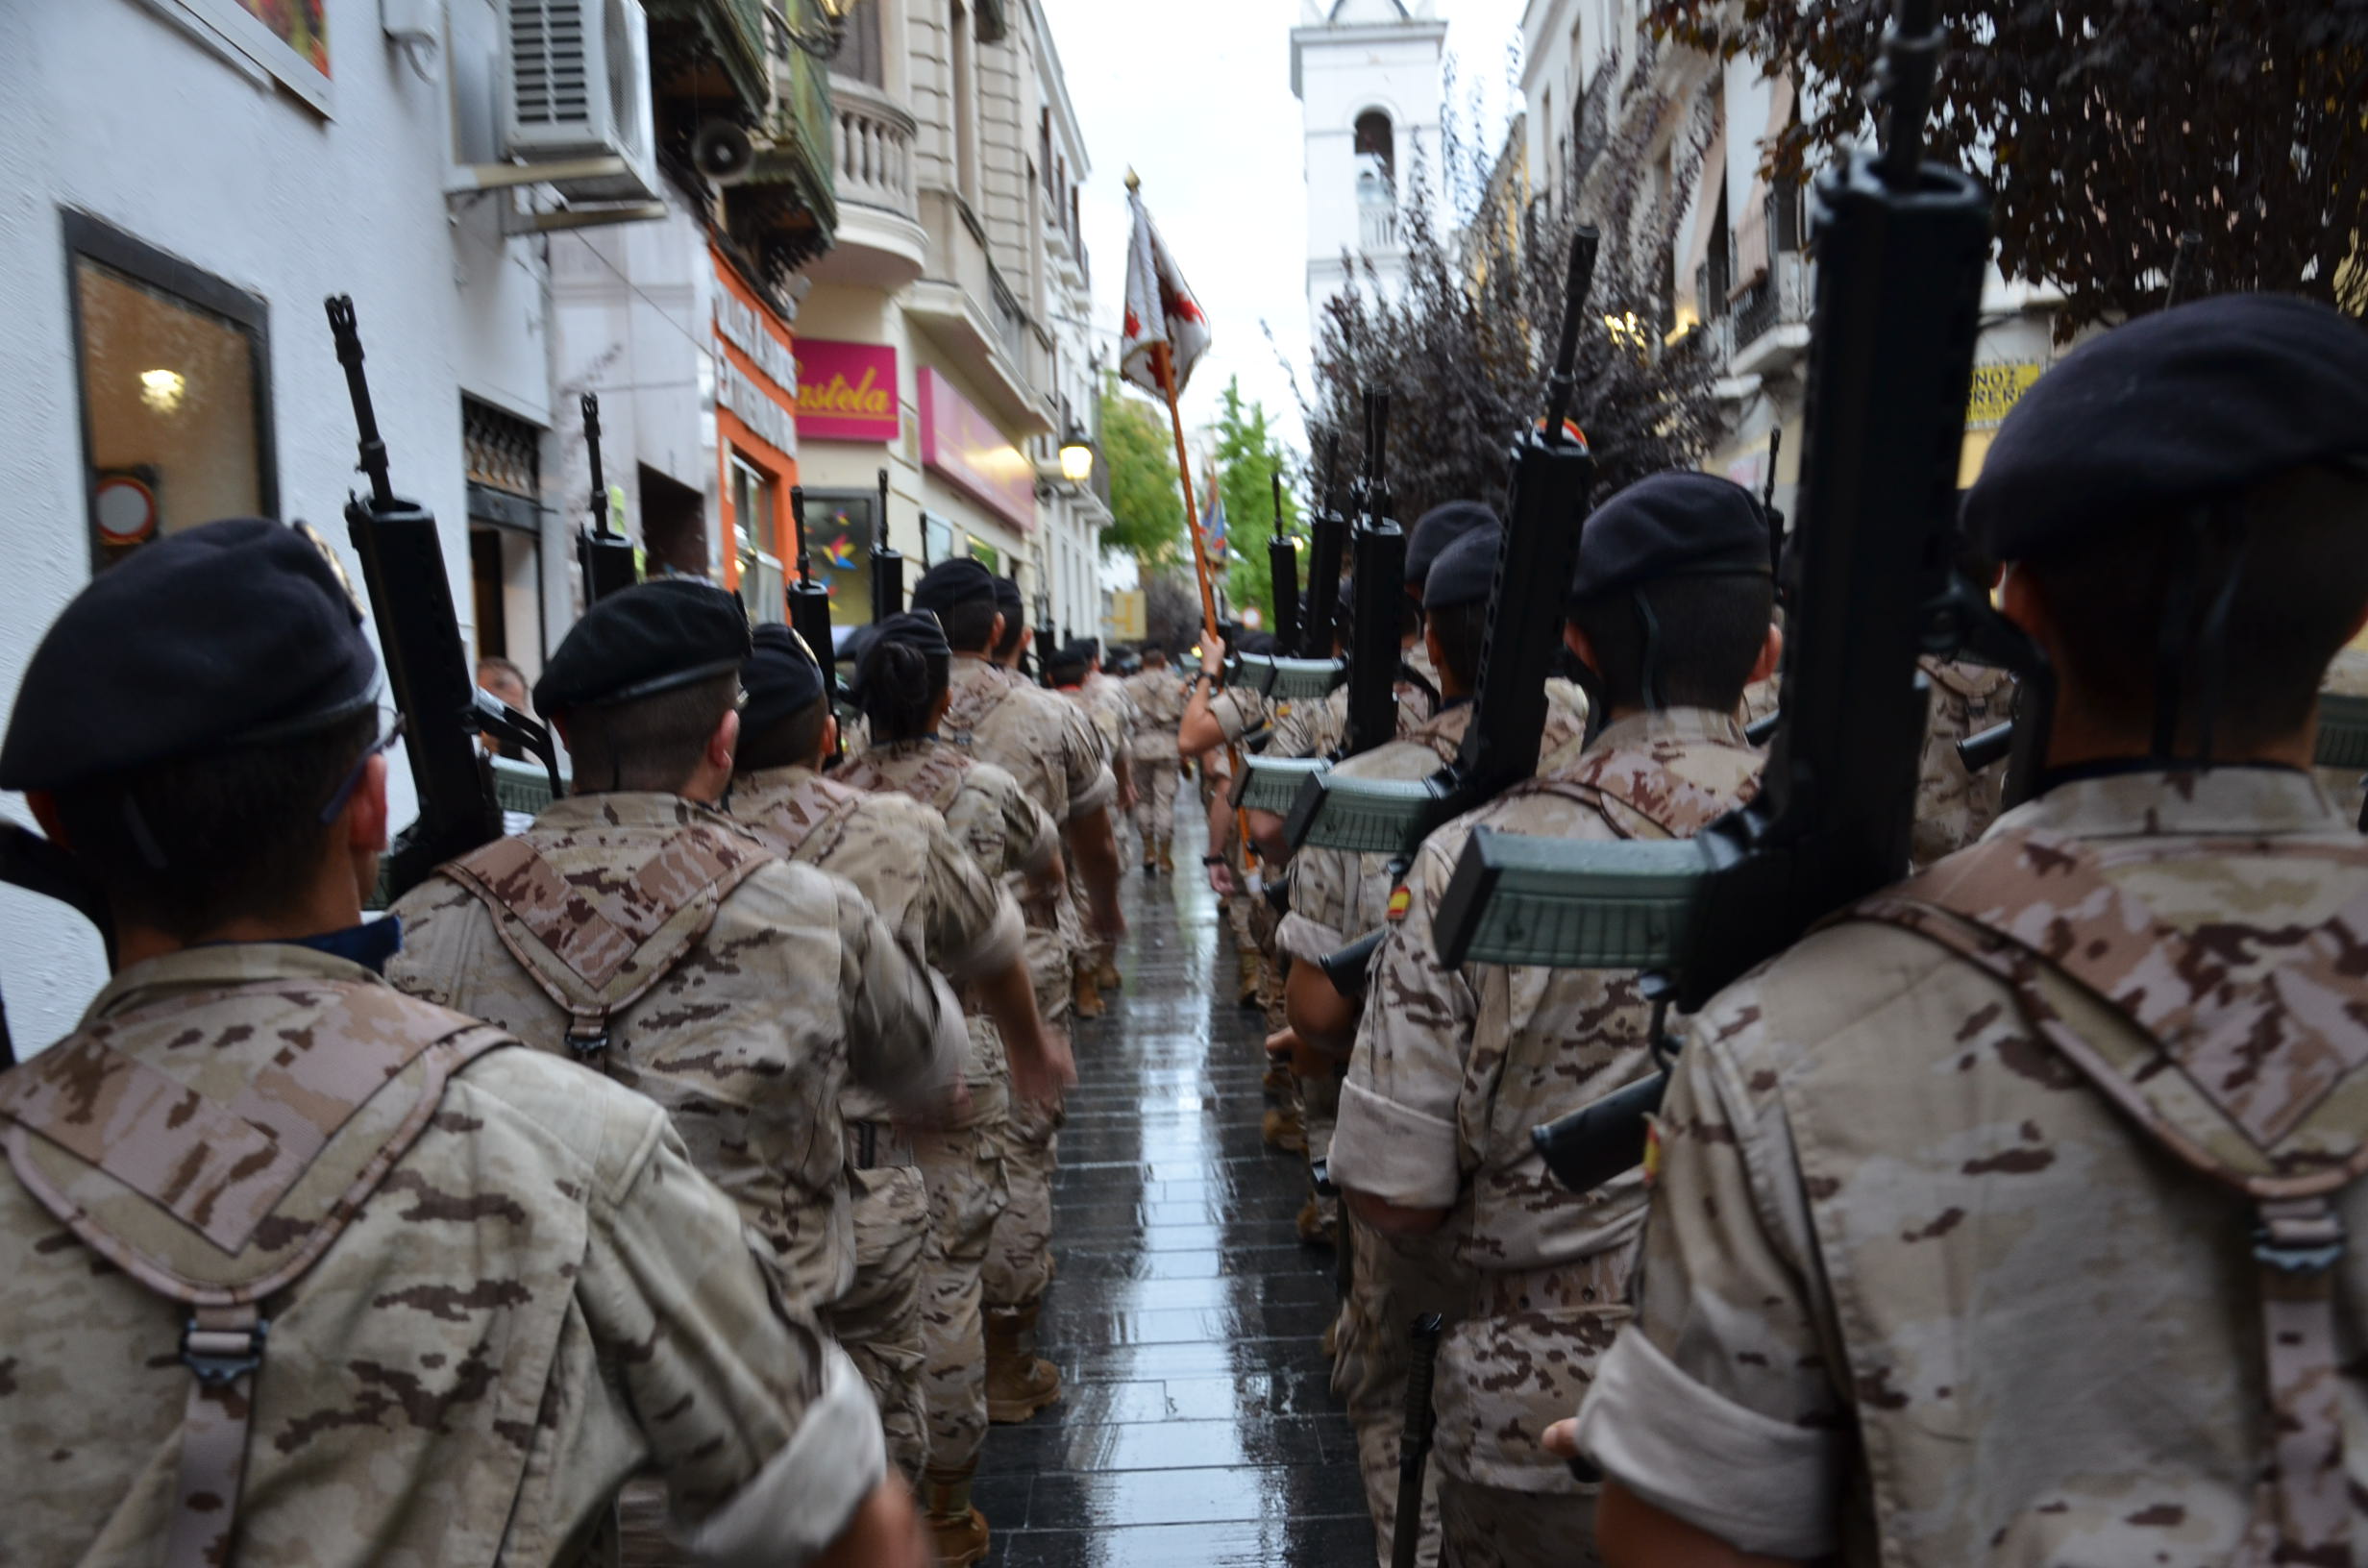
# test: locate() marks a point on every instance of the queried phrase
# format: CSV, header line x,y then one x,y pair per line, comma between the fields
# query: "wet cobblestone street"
x,y
1187,1315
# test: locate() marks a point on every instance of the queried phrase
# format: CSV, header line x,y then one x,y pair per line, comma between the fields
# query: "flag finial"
x,y
1134,180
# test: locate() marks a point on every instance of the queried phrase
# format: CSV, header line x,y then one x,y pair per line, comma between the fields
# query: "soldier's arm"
x,y
1395,1151
1715,1408
1310,933
1092,837
760,1428
974,928
906,1039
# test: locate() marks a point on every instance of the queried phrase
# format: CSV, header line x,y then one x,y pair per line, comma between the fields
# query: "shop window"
x,y
936,536
502,455
762,585
673,525
175,384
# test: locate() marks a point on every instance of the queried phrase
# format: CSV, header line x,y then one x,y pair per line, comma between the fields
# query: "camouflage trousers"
x,y
879,1320
1392,1281
1494,1526
1019,1264
967,1192
1154,813
1050,967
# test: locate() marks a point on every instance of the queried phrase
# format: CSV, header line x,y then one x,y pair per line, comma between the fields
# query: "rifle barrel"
x,y
1575,285
346,330
592,449
1910,60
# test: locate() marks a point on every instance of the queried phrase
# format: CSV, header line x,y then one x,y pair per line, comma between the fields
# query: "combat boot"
x,y
1106,974
1019,1382
1283,1130
957,1532
1086,995
1315,1221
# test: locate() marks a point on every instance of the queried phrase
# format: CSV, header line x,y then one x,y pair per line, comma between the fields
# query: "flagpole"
x,y
1163,365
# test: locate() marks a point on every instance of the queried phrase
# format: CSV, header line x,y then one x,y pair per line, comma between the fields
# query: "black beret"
x,y
1092,647
1438,529
227,633
1675,525
1008,598
915,628
2184,405
780,677
651,638
951,582
1463,573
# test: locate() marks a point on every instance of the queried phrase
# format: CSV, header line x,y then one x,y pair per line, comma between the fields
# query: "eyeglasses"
x,y
353,774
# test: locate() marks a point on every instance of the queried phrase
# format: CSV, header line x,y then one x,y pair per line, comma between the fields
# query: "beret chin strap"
x,y
1651,671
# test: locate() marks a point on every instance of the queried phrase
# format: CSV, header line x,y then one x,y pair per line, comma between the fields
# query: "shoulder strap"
x,y
598,945
807,823
2238,1053
158,1139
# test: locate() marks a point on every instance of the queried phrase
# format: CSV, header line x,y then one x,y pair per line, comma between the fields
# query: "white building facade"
x,y
1368,77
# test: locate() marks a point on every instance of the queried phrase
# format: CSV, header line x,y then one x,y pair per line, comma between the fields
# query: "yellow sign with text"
x,y
1127,617
1996,391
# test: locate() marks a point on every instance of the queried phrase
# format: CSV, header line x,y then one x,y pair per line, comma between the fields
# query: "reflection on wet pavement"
x,y
1197,1429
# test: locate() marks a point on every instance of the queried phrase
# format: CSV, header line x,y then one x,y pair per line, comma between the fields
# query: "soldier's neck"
x,y
2081,737
332,904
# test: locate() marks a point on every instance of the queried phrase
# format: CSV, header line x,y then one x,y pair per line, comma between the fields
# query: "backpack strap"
x,y
810,820
596,946
2253,1078
137,1125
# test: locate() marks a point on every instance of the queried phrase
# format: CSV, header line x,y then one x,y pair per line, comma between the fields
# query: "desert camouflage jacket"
x,y
1953,807
471,1369
1929,1294
1113,708
1048,743
1158,698
1454,1066
794,989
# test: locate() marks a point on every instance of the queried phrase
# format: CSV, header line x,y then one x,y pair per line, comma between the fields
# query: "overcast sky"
x,y
1198,100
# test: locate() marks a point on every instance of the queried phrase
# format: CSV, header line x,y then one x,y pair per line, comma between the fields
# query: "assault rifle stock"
x,y
427,665
605,556
887,566
1902,246
1552,480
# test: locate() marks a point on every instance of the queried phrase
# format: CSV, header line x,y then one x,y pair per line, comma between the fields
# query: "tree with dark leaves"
x,y
1465,343
2107,128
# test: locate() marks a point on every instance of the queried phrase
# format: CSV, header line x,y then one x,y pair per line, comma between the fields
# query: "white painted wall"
x,y
107,107
1365,58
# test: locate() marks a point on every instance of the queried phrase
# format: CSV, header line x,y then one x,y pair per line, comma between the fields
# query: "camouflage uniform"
x,y
1953,807
1158,698
940,902
1320,729
1454,1066
539,1299
1011,838
1052,748
1920,1289
1110,720
795,989
1239,715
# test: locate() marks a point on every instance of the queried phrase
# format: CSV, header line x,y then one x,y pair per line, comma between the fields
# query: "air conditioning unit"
x,y
576,92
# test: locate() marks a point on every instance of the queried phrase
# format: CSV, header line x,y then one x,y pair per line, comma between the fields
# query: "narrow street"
x,y
1187,1315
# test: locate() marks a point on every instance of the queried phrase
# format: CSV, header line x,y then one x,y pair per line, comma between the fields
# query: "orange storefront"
x,y
755,443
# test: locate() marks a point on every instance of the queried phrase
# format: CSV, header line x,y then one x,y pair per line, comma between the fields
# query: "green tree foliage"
x,y
2106,129
1249,458
1146,509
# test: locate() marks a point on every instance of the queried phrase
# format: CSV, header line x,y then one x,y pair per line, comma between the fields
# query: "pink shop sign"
x,y
846,391
963,443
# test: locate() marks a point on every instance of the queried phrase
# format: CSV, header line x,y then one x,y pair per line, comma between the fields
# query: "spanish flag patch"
x,y
1400,901
1652,1150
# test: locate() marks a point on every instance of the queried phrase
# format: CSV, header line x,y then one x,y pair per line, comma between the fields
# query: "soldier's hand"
x,y
1220,879
1040,1075
1562,1438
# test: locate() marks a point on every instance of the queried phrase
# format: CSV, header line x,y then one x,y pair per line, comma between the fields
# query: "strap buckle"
x,y
588,1041
221,1357
2298,1243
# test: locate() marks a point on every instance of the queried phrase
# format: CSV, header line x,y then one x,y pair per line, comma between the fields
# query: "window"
x,y
1376,148
762,585
1720,261
936,537
965,108
503,457
860,57
175,384
984,554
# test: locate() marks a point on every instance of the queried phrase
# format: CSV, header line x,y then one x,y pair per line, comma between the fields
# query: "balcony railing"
x,y
1777,299
1377,230
730,33
874,148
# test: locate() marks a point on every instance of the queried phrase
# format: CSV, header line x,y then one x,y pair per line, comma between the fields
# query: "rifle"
x,y
887,566
1901,247
1553,478
1283,572
427,665
606,559
809,602
1414,1445
1047,640
1310,671
1767,505
1378,601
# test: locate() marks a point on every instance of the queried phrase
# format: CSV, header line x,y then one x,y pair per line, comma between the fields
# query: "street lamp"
x,y
822,43
1076,457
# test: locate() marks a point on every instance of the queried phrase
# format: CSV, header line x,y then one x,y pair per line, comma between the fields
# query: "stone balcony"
x,y
880,241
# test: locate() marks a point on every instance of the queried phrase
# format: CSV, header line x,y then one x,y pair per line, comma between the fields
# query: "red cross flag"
x,y
1160,309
